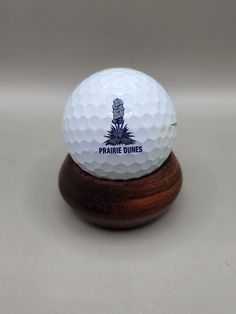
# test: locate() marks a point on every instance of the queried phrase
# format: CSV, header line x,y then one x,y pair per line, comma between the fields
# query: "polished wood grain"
x,y
120,204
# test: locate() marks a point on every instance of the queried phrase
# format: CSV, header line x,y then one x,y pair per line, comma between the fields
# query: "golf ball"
x,y
119,124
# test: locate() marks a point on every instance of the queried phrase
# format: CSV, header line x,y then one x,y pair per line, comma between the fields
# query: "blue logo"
x,y
119,139
119,133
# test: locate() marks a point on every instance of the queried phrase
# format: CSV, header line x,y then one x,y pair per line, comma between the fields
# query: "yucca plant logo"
x,y
119,133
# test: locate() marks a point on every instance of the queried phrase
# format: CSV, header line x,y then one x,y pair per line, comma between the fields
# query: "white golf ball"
x,y
119,124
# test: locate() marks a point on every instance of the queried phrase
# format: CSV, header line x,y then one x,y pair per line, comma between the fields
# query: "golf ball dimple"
x,y
119,124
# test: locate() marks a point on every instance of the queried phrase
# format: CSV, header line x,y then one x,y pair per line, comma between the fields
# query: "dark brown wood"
x,y
120,204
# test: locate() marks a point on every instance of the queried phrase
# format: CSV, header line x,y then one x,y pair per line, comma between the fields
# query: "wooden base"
x,y
120,204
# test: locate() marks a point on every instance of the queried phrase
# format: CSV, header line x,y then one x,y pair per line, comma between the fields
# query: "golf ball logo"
x,y
119,133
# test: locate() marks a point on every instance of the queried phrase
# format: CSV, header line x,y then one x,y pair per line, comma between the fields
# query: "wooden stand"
x,y
120,204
